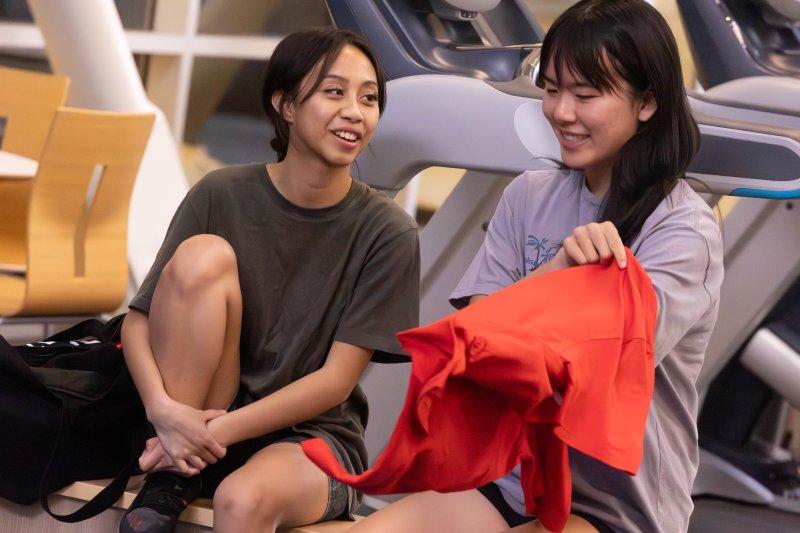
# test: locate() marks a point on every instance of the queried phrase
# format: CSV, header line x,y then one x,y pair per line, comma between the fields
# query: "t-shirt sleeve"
x,y
684,262
185,223
385,300
498,262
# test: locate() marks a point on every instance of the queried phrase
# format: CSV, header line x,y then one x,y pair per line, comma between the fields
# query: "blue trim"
x,y
761,193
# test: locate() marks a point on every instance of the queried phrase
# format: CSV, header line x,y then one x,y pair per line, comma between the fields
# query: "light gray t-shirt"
x,y
680,247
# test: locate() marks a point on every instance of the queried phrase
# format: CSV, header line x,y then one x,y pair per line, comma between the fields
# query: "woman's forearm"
x,y
557,263
140,360
297,402
551,266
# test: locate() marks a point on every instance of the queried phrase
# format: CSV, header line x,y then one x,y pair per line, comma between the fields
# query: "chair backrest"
x,y
28,102
78,212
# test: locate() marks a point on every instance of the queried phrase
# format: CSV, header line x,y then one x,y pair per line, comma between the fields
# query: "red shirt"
x,y
563,359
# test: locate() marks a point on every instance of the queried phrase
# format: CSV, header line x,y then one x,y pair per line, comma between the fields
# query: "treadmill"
x,y
750,50
469,112
733,39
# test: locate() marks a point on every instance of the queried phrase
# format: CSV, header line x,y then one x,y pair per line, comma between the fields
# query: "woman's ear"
x,y
649,107
283,106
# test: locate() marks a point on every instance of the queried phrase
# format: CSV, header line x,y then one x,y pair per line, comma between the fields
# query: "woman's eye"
x,y
585,96
551,91
372,98
334,90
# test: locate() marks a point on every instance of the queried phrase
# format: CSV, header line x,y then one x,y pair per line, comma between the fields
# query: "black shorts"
x,y
492,493
239,453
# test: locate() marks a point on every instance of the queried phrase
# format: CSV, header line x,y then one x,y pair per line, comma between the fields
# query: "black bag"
x,y
69,411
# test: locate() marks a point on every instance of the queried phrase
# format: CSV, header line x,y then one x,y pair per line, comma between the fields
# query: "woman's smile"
x,y
347,138
570,140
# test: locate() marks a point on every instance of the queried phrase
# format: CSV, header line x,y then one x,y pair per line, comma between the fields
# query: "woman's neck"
x,y
598,181
309,183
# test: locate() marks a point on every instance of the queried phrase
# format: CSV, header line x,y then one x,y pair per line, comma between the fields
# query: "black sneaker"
x,y
161,500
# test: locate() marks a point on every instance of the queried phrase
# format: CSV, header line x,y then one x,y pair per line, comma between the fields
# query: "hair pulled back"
x,y
298,55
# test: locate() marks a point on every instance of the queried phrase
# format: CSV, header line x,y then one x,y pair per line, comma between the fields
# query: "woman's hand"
x,y
183,434
154,458
593,243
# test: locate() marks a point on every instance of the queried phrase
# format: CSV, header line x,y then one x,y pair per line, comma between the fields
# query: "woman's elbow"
x,y
132,325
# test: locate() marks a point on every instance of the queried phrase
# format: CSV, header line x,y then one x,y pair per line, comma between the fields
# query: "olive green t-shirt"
x,y
348,273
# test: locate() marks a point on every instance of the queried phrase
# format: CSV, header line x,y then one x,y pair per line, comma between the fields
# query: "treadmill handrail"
x,y
443,120
742,105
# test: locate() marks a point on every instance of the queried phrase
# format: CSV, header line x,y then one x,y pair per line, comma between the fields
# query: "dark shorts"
x,y
238,454
492,493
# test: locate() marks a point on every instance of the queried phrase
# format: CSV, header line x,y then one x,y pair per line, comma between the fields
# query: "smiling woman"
x,y
343,75
615,100
324,97
275,285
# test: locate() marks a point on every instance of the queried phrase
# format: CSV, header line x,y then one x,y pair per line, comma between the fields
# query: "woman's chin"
x,y
573,160
338,160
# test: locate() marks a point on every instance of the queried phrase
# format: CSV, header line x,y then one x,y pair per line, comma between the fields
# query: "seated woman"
x,y
614,96
274,286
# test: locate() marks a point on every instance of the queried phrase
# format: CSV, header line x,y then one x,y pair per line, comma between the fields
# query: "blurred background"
x,y
202,62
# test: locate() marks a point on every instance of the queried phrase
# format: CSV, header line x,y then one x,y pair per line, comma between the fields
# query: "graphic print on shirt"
x,y
539,251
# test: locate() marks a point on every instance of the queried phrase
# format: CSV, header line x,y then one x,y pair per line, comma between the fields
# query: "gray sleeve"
x,y
498,262
684,262
185,223
385,300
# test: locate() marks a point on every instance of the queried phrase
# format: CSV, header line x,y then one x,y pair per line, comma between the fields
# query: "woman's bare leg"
x,y
456,512
575,524
195,322
278,487
467,512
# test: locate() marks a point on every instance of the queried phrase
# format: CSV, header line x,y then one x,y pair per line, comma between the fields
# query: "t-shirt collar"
x,y
324,213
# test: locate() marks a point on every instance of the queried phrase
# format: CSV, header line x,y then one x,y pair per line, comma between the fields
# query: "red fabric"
x,y
564,359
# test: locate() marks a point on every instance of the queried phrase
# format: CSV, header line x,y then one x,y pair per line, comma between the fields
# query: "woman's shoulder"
x,y
230,174
683,208
379,208
229,179
538,182
542,178
684,204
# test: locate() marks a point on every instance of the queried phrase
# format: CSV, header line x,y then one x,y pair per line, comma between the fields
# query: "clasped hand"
x,y
184,444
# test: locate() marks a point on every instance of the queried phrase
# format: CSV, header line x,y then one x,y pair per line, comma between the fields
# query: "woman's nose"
x,y
351,110
564,110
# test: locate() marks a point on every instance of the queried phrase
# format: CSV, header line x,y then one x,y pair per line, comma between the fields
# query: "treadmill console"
x,y
483,39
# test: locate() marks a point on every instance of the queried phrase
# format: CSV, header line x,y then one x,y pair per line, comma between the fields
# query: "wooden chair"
x,y
63,234
28,102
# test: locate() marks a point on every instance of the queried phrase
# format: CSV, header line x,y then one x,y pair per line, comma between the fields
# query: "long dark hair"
x,y
297,55
603,41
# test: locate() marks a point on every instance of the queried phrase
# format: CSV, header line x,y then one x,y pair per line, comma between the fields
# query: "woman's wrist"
x,y
557,263
154,407
560,261
219,429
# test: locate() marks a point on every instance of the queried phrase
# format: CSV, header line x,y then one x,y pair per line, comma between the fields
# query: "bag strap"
x,y
106,497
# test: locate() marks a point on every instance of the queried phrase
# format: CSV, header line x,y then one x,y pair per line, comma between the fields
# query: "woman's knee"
x,y
200,261
242,504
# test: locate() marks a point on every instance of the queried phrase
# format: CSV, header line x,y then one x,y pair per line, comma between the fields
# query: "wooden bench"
x,y
198,517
